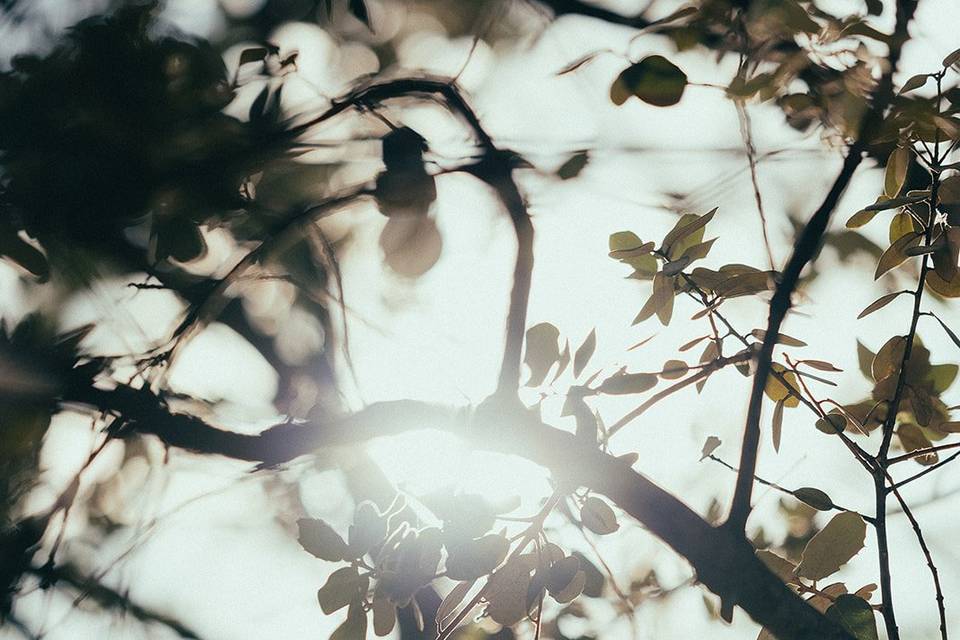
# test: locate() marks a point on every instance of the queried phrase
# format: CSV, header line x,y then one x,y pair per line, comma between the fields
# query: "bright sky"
x,y
227,563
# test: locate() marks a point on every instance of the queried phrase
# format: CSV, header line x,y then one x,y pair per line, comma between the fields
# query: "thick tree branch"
x,y
724,561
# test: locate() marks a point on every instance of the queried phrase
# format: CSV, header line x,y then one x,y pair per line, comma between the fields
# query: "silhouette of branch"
x,y
723,559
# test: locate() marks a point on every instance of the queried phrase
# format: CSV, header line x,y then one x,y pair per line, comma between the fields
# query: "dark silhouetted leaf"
x,y
341,588
655,80
572,167
814,497
319,539
855,615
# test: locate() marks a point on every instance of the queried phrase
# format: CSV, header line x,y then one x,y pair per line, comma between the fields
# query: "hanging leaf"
x,y
355,626
914,82
880,303
833,546
597,516
711,445
896,172
320,540
655,80
895,254
542,351
341,588
814,497
855,615
584,352
777,426
384,616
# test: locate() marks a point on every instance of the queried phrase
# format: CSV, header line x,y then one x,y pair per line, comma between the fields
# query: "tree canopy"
x,y
458,316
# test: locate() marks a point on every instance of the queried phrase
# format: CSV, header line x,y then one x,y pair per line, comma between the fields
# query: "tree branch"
x,y
724,561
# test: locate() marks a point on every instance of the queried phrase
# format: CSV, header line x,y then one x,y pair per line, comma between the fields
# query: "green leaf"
x,y
597,516
814,497
941,376
896,171
319,539
624,241
712,444
833,546
542,351
341,588
584,352
627,383
855,615
685,228
655,80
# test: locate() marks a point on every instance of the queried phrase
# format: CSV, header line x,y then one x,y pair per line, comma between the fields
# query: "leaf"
x,y
659,302
860,218
893,203
894,255
655,80
777,391
507,593
690,345
627,383
355,626
341,588
781,567
698,251
359,10
573,166
888,358
384,616
711,445
912,439
952,58
896,171
821,365
563,361
686,226
597,516
255,54
320,540
561,574
914,82
952,335
584,352
777,426
673,369
452,600
475,558
880,303
576,64
814,497
941,376
832,424
542,351
675,267
369,528
624,241
855,615
833,546
573,589
865,359
782,338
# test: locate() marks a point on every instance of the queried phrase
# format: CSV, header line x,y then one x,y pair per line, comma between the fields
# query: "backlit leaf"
x,y
542,351
855,615
895,254
896,171
627,383
833,546
584,352
597,516
880,303
711,445
777,425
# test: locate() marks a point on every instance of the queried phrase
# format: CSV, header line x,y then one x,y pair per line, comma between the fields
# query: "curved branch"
x,y
724,561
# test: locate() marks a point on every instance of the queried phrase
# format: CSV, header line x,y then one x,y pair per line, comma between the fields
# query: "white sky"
x,y
226,566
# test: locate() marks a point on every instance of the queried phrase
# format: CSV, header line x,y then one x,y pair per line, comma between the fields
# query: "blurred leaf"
x,y
832,424
359,9
782,338
912,439
584,352
369,528
952,58
541,352
627,383
655,80
821,365
255,54
573,166
475,558
833,546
